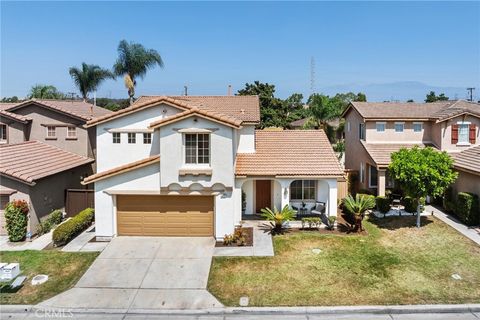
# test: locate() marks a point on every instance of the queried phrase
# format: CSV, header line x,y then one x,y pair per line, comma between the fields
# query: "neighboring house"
x,y
374,130
467,164
44,150
177,166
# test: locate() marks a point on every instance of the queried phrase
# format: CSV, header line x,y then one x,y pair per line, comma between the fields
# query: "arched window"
x,y
302,190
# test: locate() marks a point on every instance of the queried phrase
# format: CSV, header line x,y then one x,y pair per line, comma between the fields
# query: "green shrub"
x,y
16,220
467,208
68,230
365,191
312,222
331,222
411,204
383,204
50,221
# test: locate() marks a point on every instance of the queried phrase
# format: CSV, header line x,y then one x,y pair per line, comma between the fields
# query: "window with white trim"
x,y
303,190
197,148
132,137
417,127
116,137
51,132
399,126
3,133
71,132
380,126
147,138
463,131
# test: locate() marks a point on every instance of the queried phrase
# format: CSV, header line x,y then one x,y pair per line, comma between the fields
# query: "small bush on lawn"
x,y
16,220
50,221
383,204
467,208
65,232
239,237
310,223
410,204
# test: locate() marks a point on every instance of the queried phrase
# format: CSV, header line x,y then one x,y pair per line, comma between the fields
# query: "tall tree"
x,y
10,99
42,91
422,172
270,106
432,97
133,62
89,78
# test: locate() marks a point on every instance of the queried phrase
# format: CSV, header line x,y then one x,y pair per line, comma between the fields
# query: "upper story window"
x,y
147,138
417,127
197,148
302,190
71,132
399,126
3,133
116,137
464,133
380,126
463,130
51,132
361,131
132,137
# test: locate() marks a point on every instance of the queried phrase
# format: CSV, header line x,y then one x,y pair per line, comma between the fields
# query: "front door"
x,y
263,195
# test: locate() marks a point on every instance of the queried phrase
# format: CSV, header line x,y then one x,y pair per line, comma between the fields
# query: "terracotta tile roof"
x,y
33,160
243,108
121,169
202,113
438,111
380,152
14,116
75,108
6,105
468,160
292,153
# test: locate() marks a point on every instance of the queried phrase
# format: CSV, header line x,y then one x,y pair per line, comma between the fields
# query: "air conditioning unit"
x,y
10,271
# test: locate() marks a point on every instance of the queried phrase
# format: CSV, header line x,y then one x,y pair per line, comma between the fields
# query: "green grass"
x,y
63,268
395,264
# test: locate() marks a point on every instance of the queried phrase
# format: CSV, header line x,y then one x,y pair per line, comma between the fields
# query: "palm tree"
x,y
134,61
357,206
321,109
43,91
89,77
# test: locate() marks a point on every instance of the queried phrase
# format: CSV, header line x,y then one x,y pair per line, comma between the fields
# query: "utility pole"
x,y
470,90
185,90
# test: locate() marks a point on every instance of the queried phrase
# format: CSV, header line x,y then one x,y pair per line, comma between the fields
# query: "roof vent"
x,y
242,111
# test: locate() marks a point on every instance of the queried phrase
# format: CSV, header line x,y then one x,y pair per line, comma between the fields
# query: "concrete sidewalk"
x,y
470,233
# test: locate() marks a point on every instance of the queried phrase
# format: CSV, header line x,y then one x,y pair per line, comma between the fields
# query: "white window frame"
x,y
464,123
147,138
361,131
362,173
384,124
69,131
370,185
54,130
303,191
399,123
3,128
116,137
417,123
196,163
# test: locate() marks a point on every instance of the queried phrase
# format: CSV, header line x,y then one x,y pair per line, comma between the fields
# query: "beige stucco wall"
x,y
41,117
444,129
467,182
15,130
47,194
390,136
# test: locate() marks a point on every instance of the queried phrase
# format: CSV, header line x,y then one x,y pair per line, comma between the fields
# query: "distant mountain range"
x,y
401,91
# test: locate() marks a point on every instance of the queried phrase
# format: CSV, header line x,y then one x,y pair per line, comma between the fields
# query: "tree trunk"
x,y
358,223
418,216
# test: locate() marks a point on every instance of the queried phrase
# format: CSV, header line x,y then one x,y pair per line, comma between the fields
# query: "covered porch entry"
x,y
300,194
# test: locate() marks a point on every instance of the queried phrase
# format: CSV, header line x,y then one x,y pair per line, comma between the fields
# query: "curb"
x,y
396,309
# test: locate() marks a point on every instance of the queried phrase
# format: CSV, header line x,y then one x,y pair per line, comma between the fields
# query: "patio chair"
x,y
319,209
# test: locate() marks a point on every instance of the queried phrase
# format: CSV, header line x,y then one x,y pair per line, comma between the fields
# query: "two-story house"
x,y
189,166
374,130
44,150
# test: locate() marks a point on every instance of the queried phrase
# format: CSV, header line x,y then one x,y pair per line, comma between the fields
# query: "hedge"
x,y
16,220
383,204
410,204
467,208
68,230
50,221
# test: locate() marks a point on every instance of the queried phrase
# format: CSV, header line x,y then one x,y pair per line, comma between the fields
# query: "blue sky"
x,y
208,45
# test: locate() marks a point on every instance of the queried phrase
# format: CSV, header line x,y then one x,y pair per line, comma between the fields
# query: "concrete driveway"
x,y
145,273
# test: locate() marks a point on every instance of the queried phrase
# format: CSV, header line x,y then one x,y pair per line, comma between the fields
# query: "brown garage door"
x,y
139,215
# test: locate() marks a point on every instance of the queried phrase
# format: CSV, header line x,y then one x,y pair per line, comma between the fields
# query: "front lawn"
x,y
394,264
63,268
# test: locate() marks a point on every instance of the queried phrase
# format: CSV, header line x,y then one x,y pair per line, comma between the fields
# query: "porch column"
x,y
332,197
381,181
